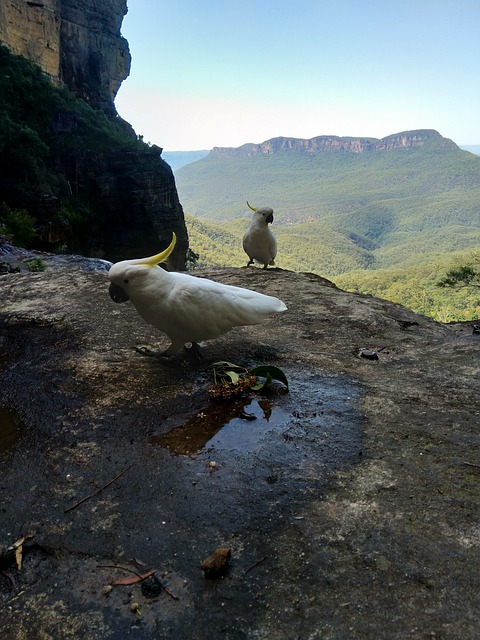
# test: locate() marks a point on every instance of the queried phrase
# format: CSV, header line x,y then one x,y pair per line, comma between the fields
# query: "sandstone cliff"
x,y
127,190
407,139
78,44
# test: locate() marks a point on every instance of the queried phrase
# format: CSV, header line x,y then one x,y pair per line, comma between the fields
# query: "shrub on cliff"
x,y
46,133
17,225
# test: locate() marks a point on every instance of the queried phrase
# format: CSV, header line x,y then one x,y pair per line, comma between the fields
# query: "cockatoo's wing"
x,y
197,309
186,308
260,244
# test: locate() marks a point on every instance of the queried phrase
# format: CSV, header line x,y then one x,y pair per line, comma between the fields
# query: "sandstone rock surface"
x,y
78,44
350,504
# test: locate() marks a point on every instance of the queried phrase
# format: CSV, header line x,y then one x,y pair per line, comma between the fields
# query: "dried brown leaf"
x,y
18,556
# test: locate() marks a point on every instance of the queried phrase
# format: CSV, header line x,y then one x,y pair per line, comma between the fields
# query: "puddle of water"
x,y
239,425
317,426
247,435
9,429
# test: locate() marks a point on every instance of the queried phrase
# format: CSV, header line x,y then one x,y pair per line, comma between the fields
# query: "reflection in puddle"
x,y
240,425
9,429
239,434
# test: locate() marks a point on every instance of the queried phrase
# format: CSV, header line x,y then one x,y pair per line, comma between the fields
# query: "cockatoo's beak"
x,y
250,206
117,294
269,218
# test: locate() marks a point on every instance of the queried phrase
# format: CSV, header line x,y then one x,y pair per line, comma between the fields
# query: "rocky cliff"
x,y
128,188
75,43
406,139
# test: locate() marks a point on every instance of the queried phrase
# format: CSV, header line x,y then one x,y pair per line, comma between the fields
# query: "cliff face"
x,y
132,191
406,139
78,44
94,57
137,193
32,30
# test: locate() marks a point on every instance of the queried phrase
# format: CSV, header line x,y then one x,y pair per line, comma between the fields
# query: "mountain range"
x,y
178,159
341,205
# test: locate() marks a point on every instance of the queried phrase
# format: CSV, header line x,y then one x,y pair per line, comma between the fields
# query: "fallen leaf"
x,y
269,372
18,556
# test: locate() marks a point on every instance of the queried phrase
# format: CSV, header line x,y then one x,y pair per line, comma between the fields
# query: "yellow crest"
x,y
160,257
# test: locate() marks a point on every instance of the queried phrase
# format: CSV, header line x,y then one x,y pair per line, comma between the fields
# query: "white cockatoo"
x,y
259,242
188,309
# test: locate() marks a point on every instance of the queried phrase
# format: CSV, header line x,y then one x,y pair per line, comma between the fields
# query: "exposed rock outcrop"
x,y
318,144
127,197
78,44
32,30
136,192
350,503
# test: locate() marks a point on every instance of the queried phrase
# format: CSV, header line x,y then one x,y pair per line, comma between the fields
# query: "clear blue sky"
x,y
211,73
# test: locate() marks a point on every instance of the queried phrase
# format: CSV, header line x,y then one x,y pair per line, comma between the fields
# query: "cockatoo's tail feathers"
x,y
153,261
250,206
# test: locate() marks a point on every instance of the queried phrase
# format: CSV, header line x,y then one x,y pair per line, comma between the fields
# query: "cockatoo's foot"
x,y
250,262
153,353
194,351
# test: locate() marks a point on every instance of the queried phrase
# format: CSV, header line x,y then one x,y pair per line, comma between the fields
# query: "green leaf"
x,y
269,372
234,377
223,364
259,384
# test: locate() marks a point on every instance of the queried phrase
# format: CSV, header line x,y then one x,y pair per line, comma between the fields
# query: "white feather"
x,y
259,243
187,308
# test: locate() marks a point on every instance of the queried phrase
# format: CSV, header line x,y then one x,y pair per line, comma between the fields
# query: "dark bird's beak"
x,y
117,294
269,218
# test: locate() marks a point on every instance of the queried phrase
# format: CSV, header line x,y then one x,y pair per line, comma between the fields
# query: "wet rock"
x,y
348,486
152,587
5,267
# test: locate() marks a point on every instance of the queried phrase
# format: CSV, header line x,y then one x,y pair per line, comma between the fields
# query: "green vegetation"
x,y
416,287
466,275
390,223
232,380
36,265
17,225
45,136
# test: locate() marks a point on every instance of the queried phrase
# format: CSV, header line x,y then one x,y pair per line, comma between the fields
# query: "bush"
x,y
36,265
18,225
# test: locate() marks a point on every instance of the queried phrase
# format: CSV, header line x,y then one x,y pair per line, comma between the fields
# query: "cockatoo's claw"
x,y
194,351
153,353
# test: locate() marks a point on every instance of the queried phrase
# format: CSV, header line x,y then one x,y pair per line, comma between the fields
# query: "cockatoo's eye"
x,y
125,281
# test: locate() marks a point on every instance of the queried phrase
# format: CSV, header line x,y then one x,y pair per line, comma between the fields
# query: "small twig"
x,y
126,582
470,464
77,504
255,564
170,593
